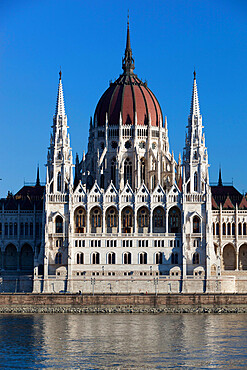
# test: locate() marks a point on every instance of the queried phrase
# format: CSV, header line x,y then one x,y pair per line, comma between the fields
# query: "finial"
x,y
37,178
60,74
128,63
220,178
194,73
128,21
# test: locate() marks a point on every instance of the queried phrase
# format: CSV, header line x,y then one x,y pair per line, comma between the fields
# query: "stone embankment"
x,y
111,303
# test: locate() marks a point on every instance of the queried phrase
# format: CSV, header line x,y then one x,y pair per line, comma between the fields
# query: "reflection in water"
x,y
123,341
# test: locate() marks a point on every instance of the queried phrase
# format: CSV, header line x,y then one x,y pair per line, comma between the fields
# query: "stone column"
x,y
151,221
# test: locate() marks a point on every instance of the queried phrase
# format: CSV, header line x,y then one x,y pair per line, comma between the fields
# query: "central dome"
x,y
128,99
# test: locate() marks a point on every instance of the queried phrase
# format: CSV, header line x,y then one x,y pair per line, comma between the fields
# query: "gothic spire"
x,y
128,63
194,108
60,108
220,179
37,178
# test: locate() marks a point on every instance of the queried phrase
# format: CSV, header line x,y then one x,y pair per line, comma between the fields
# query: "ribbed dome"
x,y
129,96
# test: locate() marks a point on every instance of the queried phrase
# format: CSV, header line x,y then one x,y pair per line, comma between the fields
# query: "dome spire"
x,y
128,63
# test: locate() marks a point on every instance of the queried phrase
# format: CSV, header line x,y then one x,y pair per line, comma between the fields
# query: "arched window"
x,y
244,229
143,258
174,258
229,257
127,220
228,228
127,258
174,220
224,229
243,257
26,258
96,217
143,218
239,228
11,257
80,220
217,229
58,259
195,259
158,219
95,258
59,182
113,170
128,171
159,258
112,217
79,258
142,170
213,228
195,181
59,225
196,224
233,228
111,258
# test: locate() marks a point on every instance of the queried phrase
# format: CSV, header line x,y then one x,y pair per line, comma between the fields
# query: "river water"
x,y
137,341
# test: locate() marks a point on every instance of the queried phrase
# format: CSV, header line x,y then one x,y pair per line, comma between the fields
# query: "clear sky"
x,y
87,38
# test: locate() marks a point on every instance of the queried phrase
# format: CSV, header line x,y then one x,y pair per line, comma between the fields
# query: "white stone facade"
x,y
132,219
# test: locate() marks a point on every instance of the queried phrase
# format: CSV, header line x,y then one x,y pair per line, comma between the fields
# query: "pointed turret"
x,y
60,108
128,63
37,178
195,158
59,159
220,179
194,108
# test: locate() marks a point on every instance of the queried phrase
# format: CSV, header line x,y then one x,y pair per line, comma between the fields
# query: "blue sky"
x,y
87,38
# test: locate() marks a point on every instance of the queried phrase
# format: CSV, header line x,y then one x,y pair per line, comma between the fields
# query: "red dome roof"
x,y
128,95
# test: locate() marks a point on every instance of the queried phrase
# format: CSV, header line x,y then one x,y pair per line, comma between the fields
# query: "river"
x,y
129,341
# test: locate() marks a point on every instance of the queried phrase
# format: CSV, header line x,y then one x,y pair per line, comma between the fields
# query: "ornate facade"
x,y
129,218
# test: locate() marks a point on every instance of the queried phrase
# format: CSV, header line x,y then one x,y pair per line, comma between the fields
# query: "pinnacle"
x,y
128,64
60,108
195,109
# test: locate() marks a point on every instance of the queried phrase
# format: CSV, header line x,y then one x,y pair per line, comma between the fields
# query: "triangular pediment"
x,y
158,190
95,189
143,190
193,214
111,190
174,190
127,190
80,189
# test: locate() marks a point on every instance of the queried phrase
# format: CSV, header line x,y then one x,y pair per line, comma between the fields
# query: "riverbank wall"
x,y
122,303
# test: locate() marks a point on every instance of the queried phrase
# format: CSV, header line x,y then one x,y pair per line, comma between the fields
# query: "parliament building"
x,y
126,217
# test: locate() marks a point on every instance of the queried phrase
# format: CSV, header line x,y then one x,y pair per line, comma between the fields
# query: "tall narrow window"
x,y
128,171
59,182
59,225
143,170
195,181
113,170
196,224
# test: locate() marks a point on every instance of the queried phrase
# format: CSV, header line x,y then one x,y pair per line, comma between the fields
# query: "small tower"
x,y
59,188
195,157
59,159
